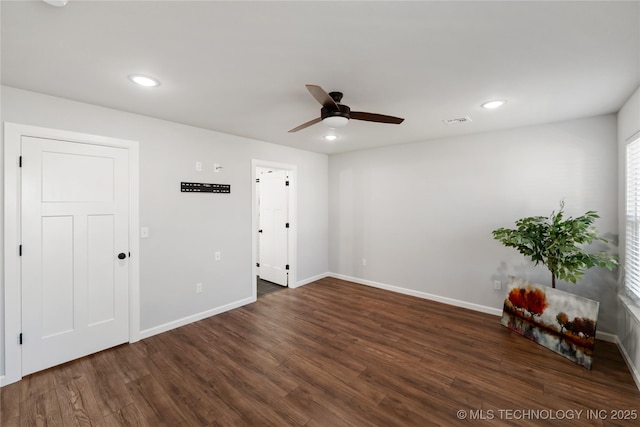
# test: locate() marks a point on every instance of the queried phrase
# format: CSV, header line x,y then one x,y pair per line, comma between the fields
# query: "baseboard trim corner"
x,y
310,280
608,337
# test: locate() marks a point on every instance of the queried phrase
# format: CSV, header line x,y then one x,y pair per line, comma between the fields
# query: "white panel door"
x,y
75,230
273,208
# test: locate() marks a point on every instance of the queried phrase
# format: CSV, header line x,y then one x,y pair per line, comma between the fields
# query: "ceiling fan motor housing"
x,y
342,111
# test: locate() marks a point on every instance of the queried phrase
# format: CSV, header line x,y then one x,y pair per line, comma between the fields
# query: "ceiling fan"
x,y
334,114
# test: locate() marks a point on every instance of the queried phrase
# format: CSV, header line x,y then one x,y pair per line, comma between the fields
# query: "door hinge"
x,y
20,338
20,161
257,264
257,179
20,250
286,225
286,267
286,183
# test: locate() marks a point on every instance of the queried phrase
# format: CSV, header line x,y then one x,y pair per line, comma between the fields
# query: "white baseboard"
x,y
608,337
310,280
627,358
604,336
203,315
424,295
194,318
633,323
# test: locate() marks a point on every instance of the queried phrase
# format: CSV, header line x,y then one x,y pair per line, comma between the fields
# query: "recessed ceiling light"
x,y
330,137
144,80
491,105
57,3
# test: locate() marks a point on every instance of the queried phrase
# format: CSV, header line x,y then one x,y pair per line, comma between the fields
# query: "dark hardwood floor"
x,y
330,354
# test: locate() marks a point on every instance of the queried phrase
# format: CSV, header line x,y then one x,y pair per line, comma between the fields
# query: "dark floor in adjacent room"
x,y
265,287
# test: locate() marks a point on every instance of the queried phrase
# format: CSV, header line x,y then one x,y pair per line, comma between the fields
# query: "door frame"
x,y
13,134
260,173
293,222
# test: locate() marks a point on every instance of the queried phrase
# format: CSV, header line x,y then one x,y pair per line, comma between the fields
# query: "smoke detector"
x,y
457,120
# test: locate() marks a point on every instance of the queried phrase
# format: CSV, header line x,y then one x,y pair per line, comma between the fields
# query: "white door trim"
x,y
272,231
293,221
13,133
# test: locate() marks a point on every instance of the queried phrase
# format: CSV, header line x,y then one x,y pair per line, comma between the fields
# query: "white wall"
x,y
186,229
629,313
422,214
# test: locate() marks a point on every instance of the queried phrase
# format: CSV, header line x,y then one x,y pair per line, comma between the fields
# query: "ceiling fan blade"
x,y
322,97
371,117
307,124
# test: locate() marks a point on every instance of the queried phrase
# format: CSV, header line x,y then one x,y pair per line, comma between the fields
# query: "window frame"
x,y
632,219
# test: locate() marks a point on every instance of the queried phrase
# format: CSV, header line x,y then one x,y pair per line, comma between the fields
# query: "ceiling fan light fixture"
x,y
330,137
145,81
492,105
335,121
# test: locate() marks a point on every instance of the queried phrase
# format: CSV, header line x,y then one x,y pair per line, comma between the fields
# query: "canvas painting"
x,y
562,322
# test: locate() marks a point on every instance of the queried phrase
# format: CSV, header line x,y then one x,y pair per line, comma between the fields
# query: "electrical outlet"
x,y
198,288
144,232
497,285
198,166
217,256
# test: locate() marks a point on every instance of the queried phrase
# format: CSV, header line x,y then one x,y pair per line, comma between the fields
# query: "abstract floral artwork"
x,y
562,322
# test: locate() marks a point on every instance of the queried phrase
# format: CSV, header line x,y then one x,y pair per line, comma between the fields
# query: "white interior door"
x,y
75,243
273,219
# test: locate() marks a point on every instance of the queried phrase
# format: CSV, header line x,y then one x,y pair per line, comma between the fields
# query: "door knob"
x,y
122,255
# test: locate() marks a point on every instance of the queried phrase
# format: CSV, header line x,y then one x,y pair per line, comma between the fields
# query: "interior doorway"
x,y
272,190
274,226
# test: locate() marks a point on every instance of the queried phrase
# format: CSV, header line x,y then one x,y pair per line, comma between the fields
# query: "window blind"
x,y
632,249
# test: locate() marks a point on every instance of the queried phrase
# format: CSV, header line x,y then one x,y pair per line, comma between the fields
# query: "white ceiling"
x,y
240,67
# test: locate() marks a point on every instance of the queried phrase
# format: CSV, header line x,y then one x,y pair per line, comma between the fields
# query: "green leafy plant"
x,y
557,243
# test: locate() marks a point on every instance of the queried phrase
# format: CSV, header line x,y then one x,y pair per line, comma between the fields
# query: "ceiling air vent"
x,y
457,120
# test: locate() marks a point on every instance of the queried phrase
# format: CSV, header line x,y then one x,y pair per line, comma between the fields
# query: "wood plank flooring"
x,y
329,354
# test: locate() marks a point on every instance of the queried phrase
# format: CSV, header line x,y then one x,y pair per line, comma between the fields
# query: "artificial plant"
x,y
558,243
